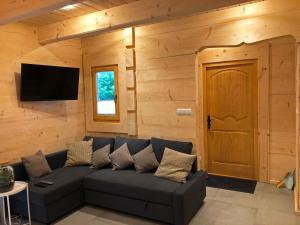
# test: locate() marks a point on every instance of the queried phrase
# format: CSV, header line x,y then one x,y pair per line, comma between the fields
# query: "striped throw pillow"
x,y
80,153
175,165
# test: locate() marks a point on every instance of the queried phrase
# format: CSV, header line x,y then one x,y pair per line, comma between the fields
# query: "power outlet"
x,y
184,112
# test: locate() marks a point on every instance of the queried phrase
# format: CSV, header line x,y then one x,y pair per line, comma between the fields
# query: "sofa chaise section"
x,y
48,204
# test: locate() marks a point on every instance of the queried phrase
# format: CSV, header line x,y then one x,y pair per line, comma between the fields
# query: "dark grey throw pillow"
x,y
36,165
101,157
145,160
121,158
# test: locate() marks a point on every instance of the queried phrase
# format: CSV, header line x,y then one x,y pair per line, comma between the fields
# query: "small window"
x,y
105,93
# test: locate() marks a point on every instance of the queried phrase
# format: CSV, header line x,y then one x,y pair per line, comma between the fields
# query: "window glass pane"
x,y
106,93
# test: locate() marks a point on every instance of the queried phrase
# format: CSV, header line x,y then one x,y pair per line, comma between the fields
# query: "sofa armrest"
x,y
189,197
195,166
19,171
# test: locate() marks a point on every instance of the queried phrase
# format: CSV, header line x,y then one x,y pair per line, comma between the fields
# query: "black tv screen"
x,y
48,83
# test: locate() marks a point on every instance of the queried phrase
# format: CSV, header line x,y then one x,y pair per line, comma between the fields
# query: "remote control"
x,y
46,182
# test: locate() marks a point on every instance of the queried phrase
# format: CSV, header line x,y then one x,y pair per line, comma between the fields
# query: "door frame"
x,y
255,107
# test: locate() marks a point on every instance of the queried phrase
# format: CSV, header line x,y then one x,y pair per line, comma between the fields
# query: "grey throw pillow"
x,y
121,158
145,160
175,165
101,157
36,165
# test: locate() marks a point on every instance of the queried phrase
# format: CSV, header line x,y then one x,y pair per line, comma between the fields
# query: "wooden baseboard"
x,y
297,201
297,210
274,181
296,198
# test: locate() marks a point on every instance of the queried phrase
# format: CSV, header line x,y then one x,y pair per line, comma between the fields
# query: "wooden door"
x,y
231,99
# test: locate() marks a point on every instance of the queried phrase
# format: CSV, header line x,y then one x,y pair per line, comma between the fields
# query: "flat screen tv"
x,y
48,83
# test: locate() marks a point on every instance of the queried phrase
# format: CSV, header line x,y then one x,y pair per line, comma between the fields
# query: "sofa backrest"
x,y
159,146
19,171
57,159
134,145
100,142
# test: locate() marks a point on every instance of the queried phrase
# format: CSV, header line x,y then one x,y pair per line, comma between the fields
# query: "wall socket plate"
x,y
184,112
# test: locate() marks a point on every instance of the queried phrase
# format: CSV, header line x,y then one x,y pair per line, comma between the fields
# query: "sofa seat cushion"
x,y
66,180
129,183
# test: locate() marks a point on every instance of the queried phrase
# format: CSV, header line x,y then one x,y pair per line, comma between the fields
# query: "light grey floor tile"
x,y
104,221
81,216
211,193
278,202
224,213
237,198
273,217
126,218
262,188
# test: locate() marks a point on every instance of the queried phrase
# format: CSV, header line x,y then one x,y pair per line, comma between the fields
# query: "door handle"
x,y
209,122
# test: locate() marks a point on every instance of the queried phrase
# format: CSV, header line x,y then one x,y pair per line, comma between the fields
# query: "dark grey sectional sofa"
x,y
140,194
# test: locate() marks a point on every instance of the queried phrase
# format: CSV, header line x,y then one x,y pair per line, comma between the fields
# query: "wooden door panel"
x,y
230,148
230,102
228,124
228,88
230,97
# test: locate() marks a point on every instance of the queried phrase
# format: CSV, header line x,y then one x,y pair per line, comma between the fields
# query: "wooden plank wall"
x,y
297,188
27,127
282,108
163,85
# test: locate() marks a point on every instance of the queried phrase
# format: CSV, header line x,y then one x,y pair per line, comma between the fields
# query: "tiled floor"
x,y
267,206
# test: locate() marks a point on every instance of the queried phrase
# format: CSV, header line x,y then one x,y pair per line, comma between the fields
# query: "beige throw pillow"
x,y
101,157
36,165
121,158
80,153
145,160
175,165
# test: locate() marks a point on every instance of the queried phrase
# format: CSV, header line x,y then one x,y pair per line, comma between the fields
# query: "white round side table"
x,y
18,187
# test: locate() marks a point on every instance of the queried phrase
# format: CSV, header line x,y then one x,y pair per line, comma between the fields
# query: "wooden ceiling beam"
x,y
16,10
131,14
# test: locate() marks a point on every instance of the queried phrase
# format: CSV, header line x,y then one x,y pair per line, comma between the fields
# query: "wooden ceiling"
x,y
66,19
77,9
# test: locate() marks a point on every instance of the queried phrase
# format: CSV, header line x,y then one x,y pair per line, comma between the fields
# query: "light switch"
x,y
187,111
